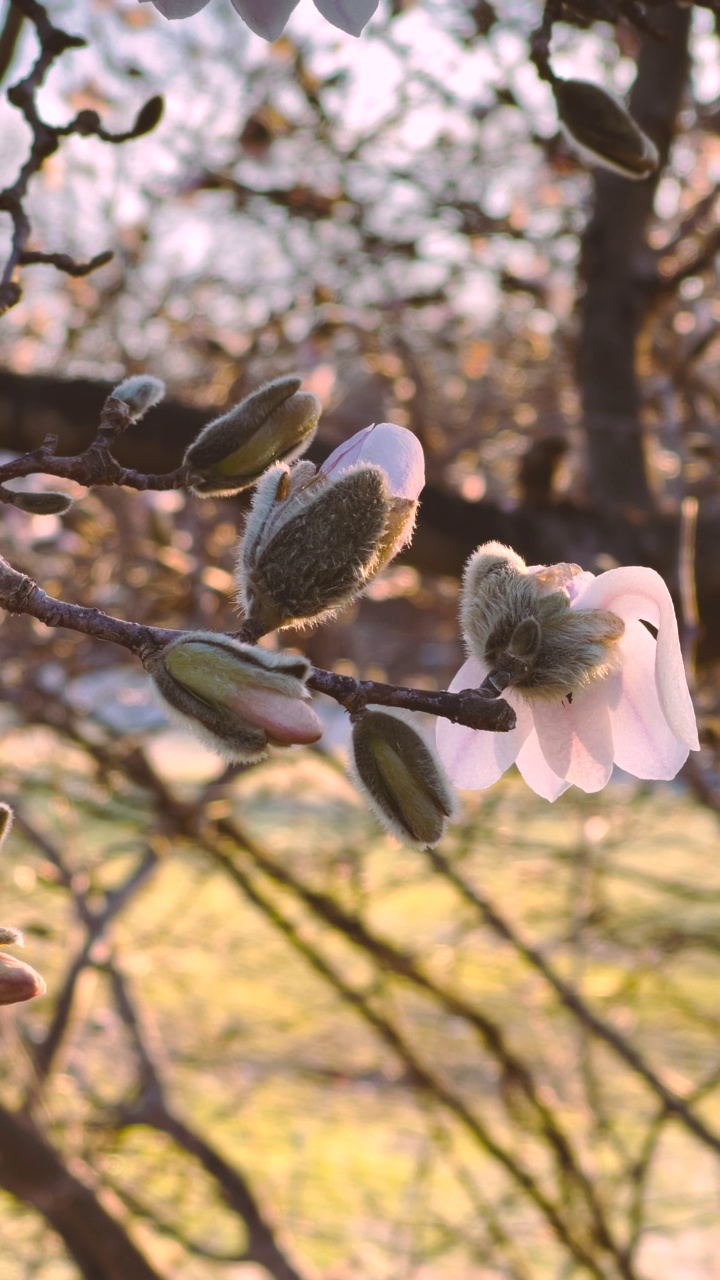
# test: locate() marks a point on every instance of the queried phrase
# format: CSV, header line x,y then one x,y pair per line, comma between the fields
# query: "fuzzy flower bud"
x,y
602,130
274,424
311,544
140,393
236,697
401,777
47,502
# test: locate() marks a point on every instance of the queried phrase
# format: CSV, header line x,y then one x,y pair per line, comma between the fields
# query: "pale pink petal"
x,y
633,593
644,743
536,771
284,719
18,981
473,758
576,737
348,15
266,18
386,445
179,8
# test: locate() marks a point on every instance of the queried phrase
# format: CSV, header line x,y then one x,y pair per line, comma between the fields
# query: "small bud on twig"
x,y
149,115
46,503
401,777
601,128
274,424
140,393
238,698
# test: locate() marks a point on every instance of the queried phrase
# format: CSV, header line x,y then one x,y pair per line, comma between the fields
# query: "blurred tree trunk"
x,y
31,1170
617,273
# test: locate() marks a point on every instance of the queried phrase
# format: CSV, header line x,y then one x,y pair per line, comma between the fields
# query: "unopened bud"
x,y
602,129
274,424
18,981
149,115
46,503
311,544
238,698
140,393
6,821
401,777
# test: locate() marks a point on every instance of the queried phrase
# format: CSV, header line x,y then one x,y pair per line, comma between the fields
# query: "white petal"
x,y
536,771
393,448
348,15
266,18
644,743
576,738
633,593
179,8
474,758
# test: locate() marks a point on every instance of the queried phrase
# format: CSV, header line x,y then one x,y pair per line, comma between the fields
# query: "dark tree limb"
x,y
617,271
32,1171
46,139
19,594
150,1108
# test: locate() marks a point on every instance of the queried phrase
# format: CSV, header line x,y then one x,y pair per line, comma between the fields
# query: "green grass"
x,y
368,1179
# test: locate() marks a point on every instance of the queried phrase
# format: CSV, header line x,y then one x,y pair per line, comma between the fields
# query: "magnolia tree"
x,y
567,673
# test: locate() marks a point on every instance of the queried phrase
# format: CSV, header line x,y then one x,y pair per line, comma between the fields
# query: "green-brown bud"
x,y
602,129
237,697
140,393
274,424
401,777
311,544
45,503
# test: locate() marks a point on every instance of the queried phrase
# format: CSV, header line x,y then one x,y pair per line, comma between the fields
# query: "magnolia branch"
x,y
19,594
96,466
46,139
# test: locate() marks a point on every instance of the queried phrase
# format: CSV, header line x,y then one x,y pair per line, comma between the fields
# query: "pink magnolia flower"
x,y
386,445
590,685
267,18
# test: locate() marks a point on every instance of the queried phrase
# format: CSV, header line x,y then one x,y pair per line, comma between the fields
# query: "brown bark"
x,y
616,270
31,1170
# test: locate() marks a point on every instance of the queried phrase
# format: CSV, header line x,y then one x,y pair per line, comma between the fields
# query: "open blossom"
x,y
590,685
267,18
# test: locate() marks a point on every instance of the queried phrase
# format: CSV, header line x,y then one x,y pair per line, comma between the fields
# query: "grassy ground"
x,y
366,1177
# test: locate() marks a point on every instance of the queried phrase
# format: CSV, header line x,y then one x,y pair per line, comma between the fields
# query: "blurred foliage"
x,y
370,1169
401,206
